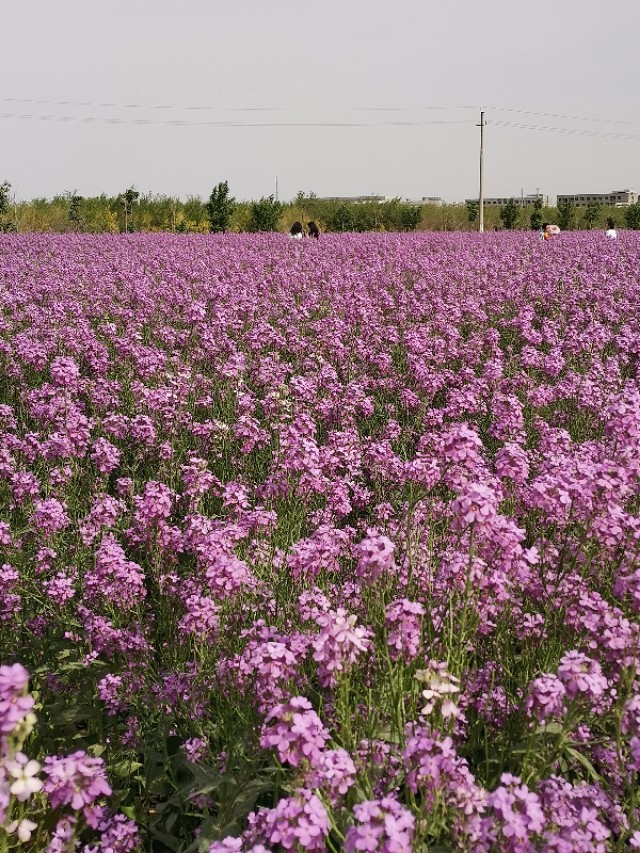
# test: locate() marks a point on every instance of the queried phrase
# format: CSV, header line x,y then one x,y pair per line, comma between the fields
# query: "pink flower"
x,y
64,372
375,556
295,731
75,780
49,516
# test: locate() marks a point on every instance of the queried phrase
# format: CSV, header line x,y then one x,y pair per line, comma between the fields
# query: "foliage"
x,y
6,224
343,219
265,214
220,208
163,213
509,214
536,217
566,216
126,200
75,210
473,210
5,189
632,216
410,217
591,213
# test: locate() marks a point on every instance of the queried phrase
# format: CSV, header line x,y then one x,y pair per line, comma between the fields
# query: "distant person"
x,y
296,231
544,231
611,232
314,231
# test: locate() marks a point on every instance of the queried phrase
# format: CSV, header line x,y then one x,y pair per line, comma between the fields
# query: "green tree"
x,y
509,214
265,214
473,209
6,223
127,199
566,216
220,208
410,217
591,213
341,219
632,216
367,217
195,212
75,210
536,216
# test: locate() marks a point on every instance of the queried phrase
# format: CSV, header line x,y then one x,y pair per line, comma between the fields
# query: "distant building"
x,y
520,200
380,199
354,199
617,198
433,200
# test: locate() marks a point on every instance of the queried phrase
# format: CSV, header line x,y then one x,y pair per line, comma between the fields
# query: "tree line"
x,y
567,216
132,210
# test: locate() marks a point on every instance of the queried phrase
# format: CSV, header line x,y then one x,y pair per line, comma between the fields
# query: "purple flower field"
x,y
319,546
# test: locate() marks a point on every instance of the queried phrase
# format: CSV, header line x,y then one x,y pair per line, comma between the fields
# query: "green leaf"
x,y
582,759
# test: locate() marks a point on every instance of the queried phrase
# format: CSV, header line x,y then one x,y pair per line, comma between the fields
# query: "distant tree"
x,y
566,215
265,214
127,198
75,210
410,217
194,210
342,219
6,224
536,216
591,213
473,209
632,216
367,217
220,208
5,189
509,214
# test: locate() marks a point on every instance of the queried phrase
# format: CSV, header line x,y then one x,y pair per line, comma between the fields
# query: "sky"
x,y
339,97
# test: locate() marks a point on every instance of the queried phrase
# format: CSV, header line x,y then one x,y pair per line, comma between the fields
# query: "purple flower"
x,y
375,556
383,825
546,698
15,703
295,731
49,516
582,677
517,813
404,621
76,780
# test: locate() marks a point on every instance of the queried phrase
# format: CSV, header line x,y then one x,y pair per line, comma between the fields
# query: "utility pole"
x,y
481,199
277,188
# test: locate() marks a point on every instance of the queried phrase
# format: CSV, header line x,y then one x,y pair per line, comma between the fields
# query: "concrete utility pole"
x,y
481,199
277,188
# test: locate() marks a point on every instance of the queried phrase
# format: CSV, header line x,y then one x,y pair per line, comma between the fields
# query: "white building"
x,y
520,200
354,199
617,198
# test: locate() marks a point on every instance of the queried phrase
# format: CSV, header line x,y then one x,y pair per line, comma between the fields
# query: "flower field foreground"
x,y
319,546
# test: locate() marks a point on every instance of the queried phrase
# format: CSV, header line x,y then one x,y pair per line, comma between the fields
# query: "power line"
x,y
185,123
145,122
396,109
112,105
565,116
79,119
573,131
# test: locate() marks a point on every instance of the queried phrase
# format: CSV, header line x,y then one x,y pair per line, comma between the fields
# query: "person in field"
x,y
314,231
611,232
296,231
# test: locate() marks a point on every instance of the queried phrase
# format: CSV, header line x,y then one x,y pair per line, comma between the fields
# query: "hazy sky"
x,y
358,96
